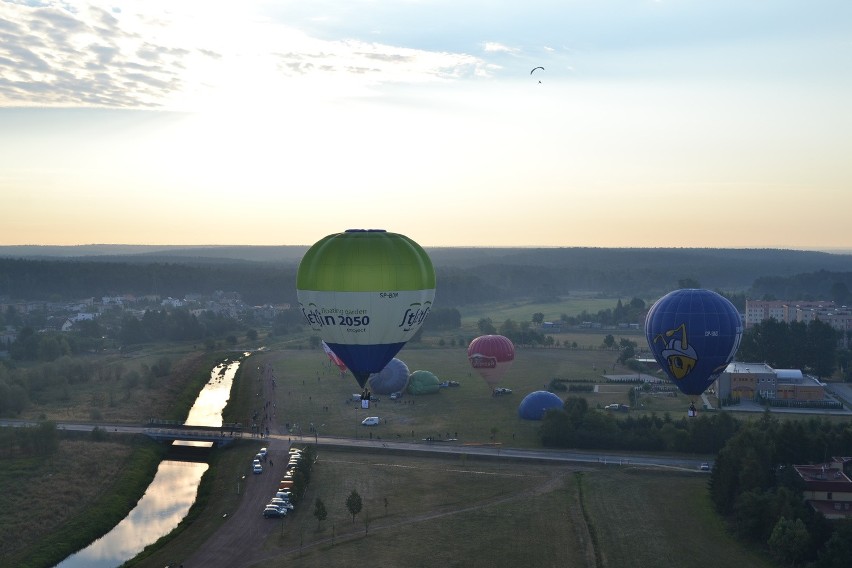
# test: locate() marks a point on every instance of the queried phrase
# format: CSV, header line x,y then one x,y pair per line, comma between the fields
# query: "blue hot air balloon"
x,y
537,403
365,293
693,334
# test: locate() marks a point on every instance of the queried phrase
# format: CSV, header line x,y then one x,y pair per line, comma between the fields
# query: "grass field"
x,y
460,511
484,514
39,495
520,311
312,392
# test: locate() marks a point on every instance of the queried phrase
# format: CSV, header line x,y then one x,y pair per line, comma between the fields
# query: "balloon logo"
x,y
491,356
366,293
693,334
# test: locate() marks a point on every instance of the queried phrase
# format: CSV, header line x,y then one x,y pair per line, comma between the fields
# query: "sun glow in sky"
x,y
669,123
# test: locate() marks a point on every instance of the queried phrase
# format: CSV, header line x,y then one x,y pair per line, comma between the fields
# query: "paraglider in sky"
x,y
491,356
537,403
334,358
366,293
693,334
392,378
534,69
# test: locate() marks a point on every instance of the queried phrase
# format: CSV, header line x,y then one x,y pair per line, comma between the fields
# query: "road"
x,y
281,442
239,541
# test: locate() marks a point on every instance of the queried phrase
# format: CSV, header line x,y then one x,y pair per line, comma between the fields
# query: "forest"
x,y
465,276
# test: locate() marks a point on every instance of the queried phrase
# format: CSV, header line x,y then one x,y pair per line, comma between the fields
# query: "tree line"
x,y
757,491
463,279
811,347
753,484
578,426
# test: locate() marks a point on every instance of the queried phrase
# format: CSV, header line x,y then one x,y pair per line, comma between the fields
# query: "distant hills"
x,y
465,274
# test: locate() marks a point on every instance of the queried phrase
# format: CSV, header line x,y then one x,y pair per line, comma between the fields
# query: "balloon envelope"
x,y
423,382
693,334
491,356
535,404
366,293
392,378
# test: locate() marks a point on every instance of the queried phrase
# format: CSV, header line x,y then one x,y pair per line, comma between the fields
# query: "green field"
x,y
440,511
312,392
462,511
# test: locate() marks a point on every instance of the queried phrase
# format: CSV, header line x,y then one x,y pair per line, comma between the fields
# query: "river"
x,y
172,491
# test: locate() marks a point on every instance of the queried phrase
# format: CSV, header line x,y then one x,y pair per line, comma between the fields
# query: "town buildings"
x,y
750,381
828,488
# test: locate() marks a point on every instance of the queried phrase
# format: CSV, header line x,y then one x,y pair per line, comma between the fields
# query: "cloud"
x,y
57,57
169,55
495,47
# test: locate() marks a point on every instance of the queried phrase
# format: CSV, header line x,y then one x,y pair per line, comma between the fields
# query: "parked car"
x,y
501,391
395,395
705,467
280,503
263,452
274,512
370,421
257,468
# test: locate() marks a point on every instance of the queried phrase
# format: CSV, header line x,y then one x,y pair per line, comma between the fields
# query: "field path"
x,y
258,556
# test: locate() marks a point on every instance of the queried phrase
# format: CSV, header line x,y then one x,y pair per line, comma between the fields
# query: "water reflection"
x,y
163,506
171,493
207,410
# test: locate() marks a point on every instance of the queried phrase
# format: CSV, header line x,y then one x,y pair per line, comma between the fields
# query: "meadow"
x,y
310,392
463,511
313,397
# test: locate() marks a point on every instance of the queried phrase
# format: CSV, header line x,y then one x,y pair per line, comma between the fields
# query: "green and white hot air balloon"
x,y
366,293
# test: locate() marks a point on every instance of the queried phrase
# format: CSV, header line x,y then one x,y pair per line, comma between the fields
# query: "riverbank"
x,y
119,494
58,503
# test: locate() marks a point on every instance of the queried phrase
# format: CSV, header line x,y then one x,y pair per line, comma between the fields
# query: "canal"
x,y
171,493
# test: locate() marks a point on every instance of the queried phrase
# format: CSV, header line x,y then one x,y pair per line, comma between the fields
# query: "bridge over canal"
x,y
167,431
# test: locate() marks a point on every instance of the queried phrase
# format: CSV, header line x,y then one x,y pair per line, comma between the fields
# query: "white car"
x,y
370,421
257,468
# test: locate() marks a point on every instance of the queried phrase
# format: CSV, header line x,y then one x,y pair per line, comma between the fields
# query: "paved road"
x,y
489,451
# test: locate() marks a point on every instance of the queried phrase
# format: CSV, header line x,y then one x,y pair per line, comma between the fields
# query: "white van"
x,y
370,421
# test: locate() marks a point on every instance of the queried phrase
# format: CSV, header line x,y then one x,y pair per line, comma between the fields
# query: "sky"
x,y
653,123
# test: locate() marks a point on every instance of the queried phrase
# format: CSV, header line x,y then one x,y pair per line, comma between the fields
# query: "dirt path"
x,y
246,530
258,556
239,543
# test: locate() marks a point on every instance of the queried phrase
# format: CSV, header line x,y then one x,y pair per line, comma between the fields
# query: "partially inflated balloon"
x,y
693,334
423,382
491,356
392,378
366,293
537,403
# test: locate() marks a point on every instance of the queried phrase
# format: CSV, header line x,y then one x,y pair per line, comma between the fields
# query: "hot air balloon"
x,y
423,382
334,358
392,378
693,334
366,293
491,356
537,403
